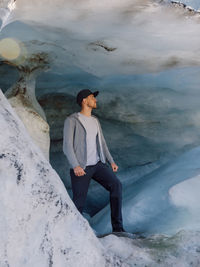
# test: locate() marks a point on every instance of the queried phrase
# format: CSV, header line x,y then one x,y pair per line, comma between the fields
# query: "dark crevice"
x,y
100,44
19,169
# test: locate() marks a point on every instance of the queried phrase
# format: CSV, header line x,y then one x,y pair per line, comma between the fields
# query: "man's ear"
x,y
84,100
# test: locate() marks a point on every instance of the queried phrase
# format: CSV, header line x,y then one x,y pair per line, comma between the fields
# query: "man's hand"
x,y
78,171
114,167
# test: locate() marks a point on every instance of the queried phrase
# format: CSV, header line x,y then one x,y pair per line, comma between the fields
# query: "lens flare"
x,y
9,49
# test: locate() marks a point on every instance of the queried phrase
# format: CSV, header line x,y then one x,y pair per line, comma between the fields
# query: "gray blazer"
x,y
74,142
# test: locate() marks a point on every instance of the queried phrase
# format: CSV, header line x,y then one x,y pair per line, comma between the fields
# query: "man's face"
x,y
91,101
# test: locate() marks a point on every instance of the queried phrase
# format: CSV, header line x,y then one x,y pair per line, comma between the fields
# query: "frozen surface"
x,y
186,195
164,201
180,250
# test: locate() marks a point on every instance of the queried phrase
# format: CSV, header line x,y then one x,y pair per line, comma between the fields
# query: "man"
x,y
87,152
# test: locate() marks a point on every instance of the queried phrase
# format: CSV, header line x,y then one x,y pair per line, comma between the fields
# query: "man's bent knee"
x,y
116,187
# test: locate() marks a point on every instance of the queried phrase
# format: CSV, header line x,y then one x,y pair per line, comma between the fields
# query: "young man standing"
x,y
87,152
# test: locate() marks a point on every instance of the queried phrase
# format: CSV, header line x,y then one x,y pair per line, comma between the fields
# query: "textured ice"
x,y
114,50
116,45
164,201
180,250
6,8
120,37
139,54
39,225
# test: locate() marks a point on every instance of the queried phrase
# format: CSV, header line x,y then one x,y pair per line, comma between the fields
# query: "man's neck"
x,y
86,111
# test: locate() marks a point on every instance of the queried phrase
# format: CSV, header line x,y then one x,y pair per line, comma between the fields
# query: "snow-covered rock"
x,y
39,225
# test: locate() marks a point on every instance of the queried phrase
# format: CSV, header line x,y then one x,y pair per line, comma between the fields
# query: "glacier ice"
x,y
121,48
144,57
39,225
120,38
22,97
180,250
164,201
140,51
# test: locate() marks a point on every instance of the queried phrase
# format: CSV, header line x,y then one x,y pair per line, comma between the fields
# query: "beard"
x,y
93,106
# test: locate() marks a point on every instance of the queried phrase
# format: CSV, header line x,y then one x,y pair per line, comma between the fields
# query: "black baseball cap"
x,y
83,94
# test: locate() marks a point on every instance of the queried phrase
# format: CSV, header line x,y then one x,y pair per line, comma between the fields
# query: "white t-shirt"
x,y
90,125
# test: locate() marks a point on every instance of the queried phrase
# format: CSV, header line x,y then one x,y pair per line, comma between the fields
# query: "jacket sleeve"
x,y
68,140
105,148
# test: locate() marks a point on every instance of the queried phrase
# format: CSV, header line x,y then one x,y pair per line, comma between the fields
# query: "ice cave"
x,y
143,56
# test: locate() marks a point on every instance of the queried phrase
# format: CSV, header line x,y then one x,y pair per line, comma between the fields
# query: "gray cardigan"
x,y
74,142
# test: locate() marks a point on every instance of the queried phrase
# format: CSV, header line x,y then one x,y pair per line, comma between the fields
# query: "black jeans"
x,y
102,174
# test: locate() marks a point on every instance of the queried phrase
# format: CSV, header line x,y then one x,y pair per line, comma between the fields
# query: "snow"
x,y
180,250
39,225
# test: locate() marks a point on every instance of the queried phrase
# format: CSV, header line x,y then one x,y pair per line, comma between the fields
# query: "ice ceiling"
x,y
104,38
142,55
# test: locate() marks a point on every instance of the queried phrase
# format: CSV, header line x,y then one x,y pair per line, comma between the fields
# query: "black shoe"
x,y
119,230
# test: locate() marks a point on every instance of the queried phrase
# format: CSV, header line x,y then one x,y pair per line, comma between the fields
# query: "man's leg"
x,y
107,178
80,186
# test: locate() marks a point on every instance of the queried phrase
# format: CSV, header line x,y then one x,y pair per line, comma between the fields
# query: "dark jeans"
x,y
102,174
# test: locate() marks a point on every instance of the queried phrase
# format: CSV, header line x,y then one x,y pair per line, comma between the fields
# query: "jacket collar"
x,y
75,115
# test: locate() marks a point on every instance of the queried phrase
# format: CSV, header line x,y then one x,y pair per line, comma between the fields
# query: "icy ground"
x,y
163,201
180,250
